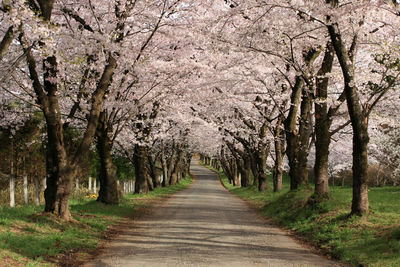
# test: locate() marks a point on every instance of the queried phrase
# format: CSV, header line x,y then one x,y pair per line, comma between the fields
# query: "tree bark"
x,y
171,163
298,142
305,130
254,167
141,184
177,166
262,168
359,122
322,124
189,161
60,171
152,171
226,166
108,178
278,171
291,133
245,170
6,42
164,166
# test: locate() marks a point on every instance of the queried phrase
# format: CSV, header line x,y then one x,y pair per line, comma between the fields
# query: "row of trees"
x,y
87,70
263,86
306,73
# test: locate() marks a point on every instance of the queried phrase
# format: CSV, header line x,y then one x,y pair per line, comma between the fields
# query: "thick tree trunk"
x,y
359,122
262,169
245,170
60,172
152,171
298,142
60,169
141,184
291,133
188,162
58,190
235,172
305,130
321,166
150,182
322,125
174,178
108,178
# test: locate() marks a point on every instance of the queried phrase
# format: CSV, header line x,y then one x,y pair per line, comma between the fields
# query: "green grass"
x,y
372,240
31,238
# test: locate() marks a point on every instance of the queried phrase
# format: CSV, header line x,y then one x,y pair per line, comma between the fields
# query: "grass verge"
x,y
31,238
372,240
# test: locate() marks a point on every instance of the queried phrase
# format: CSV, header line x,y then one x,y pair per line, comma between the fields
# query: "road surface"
x,y
206,225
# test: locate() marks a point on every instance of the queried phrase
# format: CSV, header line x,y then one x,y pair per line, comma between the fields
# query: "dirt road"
x,y
206,226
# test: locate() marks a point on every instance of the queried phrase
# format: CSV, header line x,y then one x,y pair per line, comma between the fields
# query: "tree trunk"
x,y
60,172
152,171
359,122
164,166
174,178
108,178
150,182
44,184
305,130
189,161
321,166
177,167
322,125
235,172
245,170
6,42
171,164
226,168
278,171
141,184
291,133
254,168
262,168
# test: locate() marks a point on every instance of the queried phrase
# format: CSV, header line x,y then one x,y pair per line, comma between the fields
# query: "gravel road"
x,y
205,226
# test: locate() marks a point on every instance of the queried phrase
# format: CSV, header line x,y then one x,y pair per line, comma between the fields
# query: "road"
x,y
205,225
